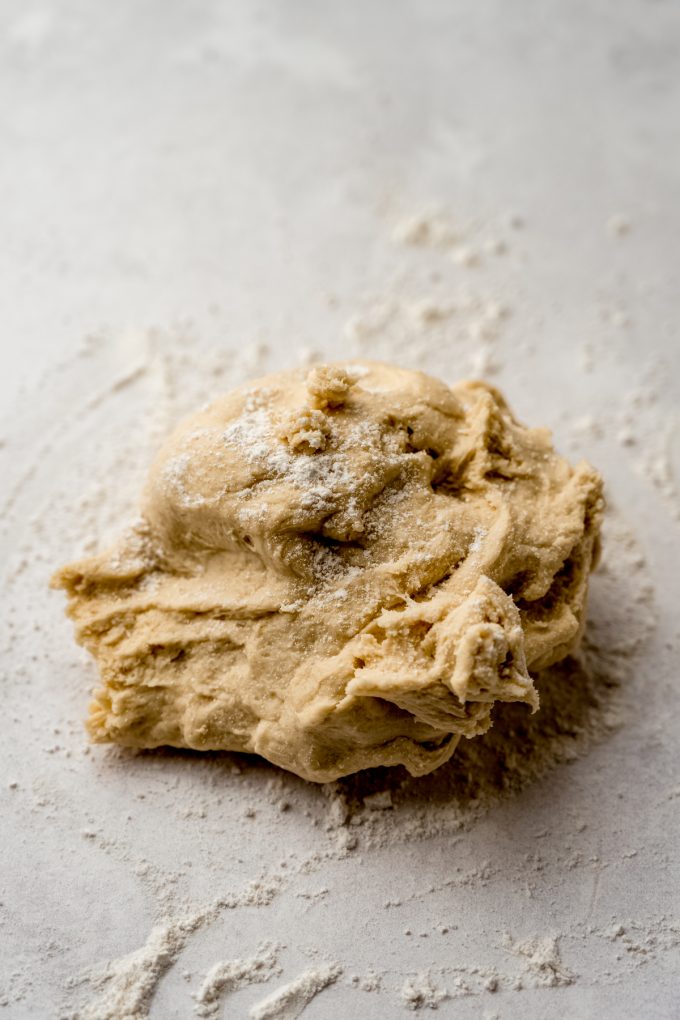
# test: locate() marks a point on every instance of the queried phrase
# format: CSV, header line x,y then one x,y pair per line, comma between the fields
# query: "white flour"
x,y
230,975
544,966
420,992
125,987
290,1001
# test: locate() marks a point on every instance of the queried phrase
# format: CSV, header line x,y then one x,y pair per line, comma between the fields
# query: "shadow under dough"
x,y
519,748
576,701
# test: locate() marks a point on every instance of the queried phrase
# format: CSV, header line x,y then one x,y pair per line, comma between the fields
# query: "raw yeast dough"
x,y
336,569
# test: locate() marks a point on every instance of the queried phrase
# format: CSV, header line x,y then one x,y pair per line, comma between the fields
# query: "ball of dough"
x,y
336,569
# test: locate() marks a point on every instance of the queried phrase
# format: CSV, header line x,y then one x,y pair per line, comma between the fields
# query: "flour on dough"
x,y
338,569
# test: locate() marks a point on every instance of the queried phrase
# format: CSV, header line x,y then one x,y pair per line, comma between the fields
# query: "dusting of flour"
x,y
290,1001
439,312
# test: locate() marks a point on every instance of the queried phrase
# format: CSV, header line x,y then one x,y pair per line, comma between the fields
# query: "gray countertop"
x,y
195,193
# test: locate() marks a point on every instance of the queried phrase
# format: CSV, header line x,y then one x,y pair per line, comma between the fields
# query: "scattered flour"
x,y
125,987
427,228
419,321
543,967
230,975
288,1002
258,893
421,992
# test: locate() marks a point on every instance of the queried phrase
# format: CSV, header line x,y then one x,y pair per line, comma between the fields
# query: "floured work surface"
x,y
445,218
227,872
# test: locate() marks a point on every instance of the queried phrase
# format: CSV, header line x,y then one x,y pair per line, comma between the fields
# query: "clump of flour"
x,y
543,965
289,1002
230,975
125,987
421,992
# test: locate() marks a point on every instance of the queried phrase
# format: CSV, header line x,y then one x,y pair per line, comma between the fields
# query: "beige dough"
x,y
338,569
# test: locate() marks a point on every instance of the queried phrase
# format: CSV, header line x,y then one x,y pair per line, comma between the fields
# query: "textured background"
x,y
196,192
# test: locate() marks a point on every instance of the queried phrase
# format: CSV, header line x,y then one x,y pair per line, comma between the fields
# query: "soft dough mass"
x,y
336,569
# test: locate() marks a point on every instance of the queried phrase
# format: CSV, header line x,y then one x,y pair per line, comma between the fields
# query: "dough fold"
x,y
338,569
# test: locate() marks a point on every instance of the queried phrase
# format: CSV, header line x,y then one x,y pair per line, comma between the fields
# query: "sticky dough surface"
x,y
336,569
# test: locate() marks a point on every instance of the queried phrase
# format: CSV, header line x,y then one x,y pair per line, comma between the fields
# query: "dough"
x,y
338,569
